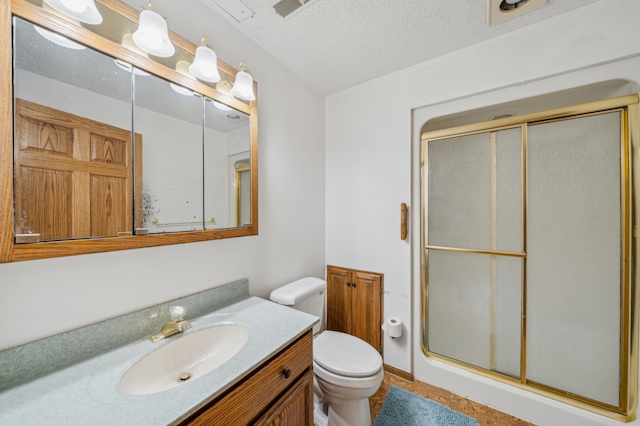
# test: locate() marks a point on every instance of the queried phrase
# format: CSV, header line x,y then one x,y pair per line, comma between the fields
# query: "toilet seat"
x,y
345,355
348,384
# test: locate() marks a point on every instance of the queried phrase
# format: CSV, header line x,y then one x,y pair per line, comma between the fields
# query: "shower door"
x,y
527,269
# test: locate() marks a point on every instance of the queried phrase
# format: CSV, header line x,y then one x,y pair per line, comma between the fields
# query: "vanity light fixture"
x,y
127,41
81,10
152,34
205,63
183,68
243,86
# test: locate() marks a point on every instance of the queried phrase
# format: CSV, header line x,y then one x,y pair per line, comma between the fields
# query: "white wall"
x,y
372,164
44,297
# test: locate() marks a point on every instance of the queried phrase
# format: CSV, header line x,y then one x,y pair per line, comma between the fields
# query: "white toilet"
x,y
347,370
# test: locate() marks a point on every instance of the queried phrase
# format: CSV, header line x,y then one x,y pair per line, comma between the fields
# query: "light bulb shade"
x,y
58,39
205,65
81,10
243,87
152,35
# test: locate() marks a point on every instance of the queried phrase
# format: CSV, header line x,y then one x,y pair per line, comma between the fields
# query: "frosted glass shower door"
x,y
474,249
573,256
530,262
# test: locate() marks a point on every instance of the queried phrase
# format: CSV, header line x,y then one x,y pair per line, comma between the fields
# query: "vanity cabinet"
x,y
280,392
354,303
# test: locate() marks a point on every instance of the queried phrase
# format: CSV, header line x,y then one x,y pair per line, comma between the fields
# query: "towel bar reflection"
x,y
156,222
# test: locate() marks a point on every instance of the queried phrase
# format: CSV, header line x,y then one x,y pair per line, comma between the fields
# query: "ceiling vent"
x,y
285,8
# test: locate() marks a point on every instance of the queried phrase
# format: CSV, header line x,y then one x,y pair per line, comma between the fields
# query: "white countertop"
x,y
88,393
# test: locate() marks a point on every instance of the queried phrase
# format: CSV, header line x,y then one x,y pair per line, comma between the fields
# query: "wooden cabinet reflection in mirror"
x,y
72,176
71,166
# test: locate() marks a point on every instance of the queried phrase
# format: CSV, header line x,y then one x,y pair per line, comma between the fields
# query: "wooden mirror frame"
x,y
11,252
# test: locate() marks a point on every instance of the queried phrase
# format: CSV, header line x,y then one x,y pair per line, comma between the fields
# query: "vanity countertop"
x,y
88,392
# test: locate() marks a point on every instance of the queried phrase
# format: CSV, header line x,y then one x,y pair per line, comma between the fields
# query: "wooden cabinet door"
x,y
338,299
294,408
354,303
73,176
366,318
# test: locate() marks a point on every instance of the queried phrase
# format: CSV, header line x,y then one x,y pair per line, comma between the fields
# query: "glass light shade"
x,y
152,35
81,10
205,65
243,87
58,39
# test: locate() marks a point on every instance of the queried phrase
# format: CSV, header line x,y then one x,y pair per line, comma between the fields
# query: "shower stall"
x,y
529,260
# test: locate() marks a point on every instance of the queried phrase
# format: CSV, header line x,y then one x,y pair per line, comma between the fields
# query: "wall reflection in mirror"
x,y
102,149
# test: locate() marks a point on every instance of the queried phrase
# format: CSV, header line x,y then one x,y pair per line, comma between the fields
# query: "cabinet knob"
x,y
348,284
353,284
286,373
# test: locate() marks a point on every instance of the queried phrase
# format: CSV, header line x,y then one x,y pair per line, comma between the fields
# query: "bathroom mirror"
x,y
72,152
111,150
172,184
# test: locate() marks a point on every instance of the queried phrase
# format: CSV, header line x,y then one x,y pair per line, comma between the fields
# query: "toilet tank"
x,y
306,295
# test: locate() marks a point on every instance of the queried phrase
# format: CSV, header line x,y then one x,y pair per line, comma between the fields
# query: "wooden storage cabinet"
x,y
280,392
354,303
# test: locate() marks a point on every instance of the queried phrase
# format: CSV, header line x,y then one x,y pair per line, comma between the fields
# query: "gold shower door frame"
x,y
630,249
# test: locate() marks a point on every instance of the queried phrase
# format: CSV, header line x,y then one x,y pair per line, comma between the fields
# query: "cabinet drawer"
x,y
243,403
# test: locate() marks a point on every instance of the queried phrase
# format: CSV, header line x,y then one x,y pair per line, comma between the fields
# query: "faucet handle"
x,y
177,313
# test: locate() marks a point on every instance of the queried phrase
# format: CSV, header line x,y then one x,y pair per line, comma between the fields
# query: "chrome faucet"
x,y
177,324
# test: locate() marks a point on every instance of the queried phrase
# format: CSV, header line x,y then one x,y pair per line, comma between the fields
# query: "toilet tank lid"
x,y
292,293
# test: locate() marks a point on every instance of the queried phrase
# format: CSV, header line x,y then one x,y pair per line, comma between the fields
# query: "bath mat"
x,y
404,408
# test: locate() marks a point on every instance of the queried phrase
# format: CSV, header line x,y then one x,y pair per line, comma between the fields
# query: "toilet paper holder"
x,y
392,327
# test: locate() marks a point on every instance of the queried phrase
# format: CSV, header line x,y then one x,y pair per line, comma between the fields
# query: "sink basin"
x,y
185,360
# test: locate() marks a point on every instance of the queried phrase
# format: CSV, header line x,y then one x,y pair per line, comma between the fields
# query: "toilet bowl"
x,y
347,370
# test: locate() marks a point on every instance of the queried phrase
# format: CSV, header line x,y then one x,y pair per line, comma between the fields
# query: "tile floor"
x,y
486,416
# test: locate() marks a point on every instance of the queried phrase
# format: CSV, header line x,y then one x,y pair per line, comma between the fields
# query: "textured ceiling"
x,y
336,44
